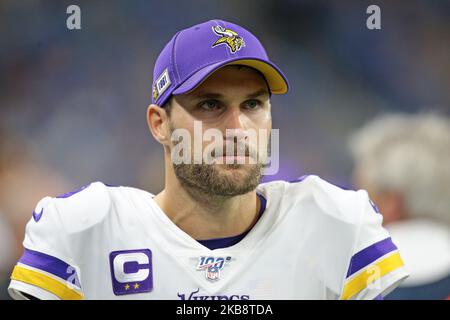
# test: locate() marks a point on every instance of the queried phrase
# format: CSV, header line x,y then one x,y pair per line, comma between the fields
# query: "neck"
x,y
205,216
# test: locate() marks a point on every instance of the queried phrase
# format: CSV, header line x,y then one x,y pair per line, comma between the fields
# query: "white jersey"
x,y
313,241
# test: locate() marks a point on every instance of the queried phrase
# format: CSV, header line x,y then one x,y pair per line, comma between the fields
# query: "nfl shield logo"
x,y
212,275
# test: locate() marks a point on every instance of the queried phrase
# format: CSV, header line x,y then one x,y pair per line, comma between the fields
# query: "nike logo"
x,y
37,216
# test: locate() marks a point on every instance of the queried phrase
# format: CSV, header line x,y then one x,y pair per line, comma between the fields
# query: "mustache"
x,y
234,150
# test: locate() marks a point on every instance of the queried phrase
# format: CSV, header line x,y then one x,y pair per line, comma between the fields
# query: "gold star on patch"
x,y
136,286
127,286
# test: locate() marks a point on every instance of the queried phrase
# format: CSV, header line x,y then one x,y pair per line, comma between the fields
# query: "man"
x,y
403,162
214,232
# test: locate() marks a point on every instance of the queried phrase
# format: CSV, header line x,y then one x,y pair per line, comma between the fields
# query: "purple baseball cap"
x,y
193,54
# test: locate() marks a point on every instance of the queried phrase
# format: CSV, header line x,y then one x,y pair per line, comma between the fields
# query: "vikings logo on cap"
x,y
229,38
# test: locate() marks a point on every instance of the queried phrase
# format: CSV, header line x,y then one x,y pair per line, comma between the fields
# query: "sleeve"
x,y
45,270
376,267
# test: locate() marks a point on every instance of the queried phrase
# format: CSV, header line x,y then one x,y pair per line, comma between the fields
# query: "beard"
x,y
211,180
221,180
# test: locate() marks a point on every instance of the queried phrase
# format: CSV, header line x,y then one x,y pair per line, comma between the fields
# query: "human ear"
x,y
158,124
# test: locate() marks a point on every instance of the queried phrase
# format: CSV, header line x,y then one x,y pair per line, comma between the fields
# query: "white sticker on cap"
x,y
161,84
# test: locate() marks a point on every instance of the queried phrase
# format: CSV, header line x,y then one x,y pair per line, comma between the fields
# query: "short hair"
x,y
409,153
168,106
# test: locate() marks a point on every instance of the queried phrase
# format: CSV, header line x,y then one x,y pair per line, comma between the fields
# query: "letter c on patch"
x,y
138,258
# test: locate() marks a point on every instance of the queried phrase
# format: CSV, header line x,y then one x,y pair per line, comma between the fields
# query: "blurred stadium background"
x,y
73,103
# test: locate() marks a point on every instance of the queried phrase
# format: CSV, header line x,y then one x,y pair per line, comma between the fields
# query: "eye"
x,y
209,105
252,104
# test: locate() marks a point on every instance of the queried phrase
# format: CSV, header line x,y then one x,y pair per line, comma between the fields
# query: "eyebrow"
x,y
212,95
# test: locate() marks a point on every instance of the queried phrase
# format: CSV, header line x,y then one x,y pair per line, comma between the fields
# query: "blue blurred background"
x,y
73,102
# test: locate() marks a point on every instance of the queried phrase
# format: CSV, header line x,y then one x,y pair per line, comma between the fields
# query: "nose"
x,y
234,118
234,129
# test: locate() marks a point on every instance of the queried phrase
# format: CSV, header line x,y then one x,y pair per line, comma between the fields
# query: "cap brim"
x,y
276,80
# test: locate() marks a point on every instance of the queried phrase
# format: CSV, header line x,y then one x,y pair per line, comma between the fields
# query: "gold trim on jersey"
x,y
370,274
60,289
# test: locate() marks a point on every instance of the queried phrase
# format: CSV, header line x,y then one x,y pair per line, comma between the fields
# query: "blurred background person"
x,y
403,161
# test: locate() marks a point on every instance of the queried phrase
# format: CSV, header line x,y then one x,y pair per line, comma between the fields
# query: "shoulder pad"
x,y
84,208
344,205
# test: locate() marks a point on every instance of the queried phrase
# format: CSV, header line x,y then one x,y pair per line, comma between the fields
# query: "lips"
x,y
233,157
232,151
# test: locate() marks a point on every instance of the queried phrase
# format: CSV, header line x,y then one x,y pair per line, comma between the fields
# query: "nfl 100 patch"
x,y
212,266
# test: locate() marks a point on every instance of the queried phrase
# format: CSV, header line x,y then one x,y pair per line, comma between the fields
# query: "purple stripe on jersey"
x,y
71,193
263,205
374,206
112,185
303,177
218,243
368,255
51,265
